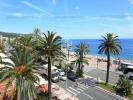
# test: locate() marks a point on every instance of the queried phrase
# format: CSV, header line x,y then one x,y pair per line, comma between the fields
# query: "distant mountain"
x,y
11,35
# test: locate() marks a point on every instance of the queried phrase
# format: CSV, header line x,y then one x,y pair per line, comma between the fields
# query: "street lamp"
x,y
97,69
68,46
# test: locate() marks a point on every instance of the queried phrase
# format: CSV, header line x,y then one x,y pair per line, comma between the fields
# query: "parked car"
x,y
128,71
71,75
129,75
55,77
62,74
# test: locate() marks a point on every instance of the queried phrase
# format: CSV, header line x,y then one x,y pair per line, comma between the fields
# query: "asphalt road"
x,y
94,72
86,92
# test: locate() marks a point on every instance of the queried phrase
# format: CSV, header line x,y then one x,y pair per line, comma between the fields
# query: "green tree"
x,y
81,51
109,45
21,71
124,86
51,45
2,47
36,33
24,42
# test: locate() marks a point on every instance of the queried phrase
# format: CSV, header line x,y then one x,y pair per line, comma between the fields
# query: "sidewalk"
x,y
104,90
65,95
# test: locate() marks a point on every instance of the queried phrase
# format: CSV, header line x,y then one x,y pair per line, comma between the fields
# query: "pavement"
x,y
65,95
86,91
101,74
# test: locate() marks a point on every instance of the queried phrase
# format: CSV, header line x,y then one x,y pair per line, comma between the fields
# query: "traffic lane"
x,y
79,91
113,77
100,95
65,84
91,93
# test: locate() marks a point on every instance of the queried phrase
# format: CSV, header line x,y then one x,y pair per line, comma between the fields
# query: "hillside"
x,y
8,34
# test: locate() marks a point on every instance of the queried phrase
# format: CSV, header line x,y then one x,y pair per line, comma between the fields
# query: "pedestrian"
x,y
76,81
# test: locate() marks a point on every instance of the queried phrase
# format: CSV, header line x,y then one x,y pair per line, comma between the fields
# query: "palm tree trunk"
x,y
108,66
79,65
49,78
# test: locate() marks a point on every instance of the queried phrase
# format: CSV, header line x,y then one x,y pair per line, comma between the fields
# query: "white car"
x,y
130,75
62,74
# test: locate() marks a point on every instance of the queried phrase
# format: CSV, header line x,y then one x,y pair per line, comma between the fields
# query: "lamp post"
x,y
97,69
68,46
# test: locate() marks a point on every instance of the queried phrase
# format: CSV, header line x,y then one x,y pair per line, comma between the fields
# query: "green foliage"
x,y
124,86
2,47
81,50
51,46
69,66
42,96
20,72
106,86
79,72
131,97
109,45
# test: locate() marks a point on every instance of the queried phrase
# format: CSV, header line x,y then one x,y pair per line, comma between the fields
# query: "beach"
x,y
101,64
125,54
95,62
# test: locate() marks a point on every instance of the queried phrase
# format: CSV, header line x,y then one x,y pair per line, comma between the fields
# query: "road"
x,y
85,92
94,72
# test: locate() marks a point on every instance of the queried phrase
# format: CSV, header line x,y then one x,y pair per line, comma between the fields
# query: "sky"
x,y
72,19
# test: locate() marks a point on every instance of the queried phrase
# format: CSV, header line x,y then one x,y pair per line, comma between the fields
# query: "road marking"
x,y
84,86
62,81
71,92
88,95
74,90
115,75
79,89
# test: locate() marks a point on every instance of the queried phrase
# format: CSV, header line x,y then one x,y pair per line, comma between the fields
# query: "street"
x,y
94,72
85,92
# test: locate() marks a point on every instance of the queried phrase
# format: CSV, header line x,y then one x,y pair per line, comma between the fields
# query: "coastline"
x,y
100,62
126,53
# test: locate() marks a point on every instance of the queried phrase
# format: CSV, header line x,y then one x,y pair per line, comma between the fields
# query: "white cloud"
x,y
131,1
99,18
129,17
21,15
17,14
30,5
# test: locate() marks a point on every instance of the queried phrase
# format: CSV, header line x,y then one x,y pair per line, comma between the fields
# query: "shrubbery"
x,y
123,86
79,72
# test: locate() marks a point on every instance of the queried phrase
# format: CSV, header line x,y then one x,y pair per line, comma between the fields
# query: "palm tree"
x,y
81,50
109,45
21,71
51,45
23,42
36,32
2,47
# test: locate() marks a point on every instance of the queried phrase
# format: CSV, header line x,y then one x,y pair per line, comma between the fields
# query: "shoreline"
x,y
104,57
100,61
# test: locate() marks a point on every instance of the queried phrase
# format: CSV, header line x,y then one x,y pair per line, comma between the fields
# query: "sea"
x,y
125,54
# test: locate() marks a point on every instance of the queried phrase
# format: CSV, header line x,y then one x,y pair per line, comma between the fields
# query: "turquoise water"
x,y
126,52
